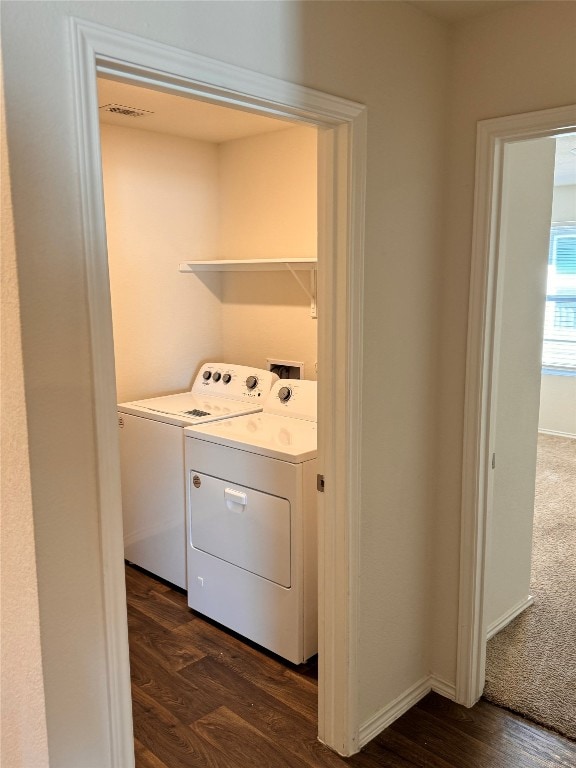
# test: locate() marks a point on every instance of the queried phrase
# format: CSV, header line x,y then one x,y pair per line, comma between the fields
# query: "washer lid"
x,y
280,437
186,408
220,390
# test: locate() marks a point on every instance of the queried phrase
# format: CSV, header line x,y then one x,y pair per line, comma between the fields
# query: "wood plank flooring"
x,y
202,697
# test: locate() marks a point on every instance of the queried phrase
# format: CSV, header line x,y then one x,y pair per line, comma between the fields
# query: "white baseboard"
x,y
386,716
440,686
556,434
509,616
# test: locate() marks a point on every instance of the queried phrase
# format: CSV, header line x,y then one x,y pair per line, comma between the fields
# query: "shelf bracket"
x,y
310,293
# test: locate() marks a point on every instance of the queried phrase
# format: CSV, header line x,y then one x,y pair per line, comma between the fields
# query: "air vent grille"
x,y
122,109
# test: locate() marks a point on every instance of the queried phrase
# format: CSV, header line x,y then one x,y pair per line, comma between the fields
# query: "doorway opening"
x,y
533,532
341,128
499,142
188,186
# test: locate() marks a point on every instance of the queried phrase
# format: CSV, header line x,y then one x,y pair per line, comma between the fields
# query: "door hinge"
x,y
493,461
320,483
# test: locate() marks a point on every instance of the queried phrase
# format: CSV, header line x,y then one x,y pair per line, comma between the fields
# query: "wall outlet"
x,y
286,369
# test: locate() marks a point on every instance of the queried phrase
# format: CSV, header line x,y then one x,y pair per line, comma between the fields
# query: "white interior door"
x,y
527,188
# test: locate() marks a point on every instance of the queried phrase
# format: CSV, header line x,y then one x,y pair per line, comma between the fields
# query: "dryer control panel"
x,y
293,397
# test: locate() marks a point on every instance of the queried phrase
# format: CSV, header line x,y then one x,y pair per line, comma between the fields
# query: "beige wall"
x,y
268,195
516,60
558,405
268,188
171,199
564,204
161,195
23,738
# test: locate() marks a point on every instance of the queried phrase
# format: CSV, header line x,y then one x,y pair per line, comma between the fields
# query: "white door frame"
x,y
481,375
341,183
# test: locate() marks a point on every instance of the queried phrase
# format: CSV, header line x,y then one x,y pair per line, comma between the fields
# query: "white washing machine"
x,y
252,539
152,460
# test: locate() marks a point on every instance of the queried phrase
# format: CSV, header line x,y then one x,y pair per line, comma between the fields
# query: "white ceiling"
x,y
179,115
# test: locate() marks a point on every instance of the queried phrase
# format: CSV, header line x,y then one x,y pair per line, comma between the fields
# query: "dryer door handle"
x,y
235,500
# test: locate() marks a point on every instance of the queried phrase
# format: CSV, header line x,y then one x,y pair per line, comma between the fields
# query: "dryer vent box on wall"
x,y
286,369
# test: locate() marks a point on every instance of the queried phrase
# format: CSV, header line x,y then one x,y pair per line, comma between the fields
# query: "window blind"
x,y
559,348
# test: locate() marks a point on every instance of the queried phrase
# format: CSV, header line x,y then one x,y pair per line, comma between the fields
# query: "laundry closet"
x,y
211,218
178,189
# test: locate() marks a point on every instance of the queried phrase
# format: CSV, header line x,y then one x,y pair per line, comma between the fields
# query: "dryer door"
x,y
244,527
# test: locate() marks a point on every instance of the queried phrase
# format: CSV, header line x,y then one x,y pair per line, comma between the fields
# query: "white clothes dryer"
x,y
152,460
251,515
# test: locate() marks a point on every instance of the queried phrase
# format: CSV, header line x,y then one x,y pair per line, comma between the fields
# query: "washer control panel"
x,y
238,382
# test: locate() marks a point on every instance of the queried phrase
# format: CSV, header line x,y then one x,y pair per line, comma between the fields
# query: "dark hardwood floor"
x,y
204,697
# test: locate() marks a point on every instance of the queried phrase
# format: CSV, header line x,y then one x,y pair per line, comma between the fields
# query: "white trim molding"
x,y
503,621
552,433
340,283
478,414
391,712
342,169
443,687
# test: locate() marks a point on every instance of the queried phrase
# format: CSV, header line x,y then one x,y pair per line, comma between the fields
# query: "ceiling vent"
x,y
122,109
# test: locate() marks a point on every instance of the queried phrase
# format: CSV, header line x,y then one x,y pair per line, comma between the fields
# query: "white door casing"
x,y
341,182
481,375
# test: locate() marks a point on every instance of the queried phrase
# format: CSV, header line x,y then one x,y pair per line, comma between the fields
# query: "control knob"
x,y
207,375
252,382
227,378
284,394
217,376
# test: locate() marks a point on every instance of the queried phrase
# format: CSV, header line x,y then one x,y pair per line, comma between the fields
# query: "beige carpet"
x,y
531,664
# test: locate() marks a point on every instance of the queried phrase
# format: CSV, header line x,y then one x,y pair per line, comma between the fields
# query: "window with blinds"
x,y
559,349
